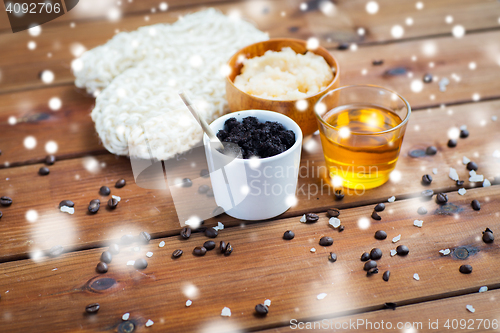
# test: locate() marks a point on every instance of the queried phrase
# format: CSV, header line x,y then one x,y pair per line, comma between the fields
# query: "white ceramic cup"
x,y
255,189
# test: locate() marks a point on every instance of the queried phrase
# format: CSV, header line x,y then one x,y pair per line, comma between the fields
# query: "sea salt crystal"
x,y
149,254
130,263
453,174
416,277
189,302
136,249
149,323
472,173
220,226
392,199
463,127
435,171
267,302
126,316
462,191
66,209
321,296
334,222
496,154
313,250
418,223
162,244
483,289
486,183
396,239
303,218
226,312
116,197
470,308
445,252
494,118
393,253
465,160
476,178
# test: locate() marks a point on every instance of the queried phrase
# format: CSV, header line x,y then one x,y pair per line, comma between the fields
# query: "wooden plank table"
x,y
49,293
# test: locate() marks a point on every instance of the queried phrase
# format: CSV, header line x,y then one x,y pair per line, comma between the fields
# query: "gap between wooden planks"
x,y
21,72
262,266
154,211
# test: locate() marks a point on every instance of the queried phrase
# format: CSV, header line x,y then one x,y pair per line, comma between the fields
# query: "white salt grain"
x,y
130,263
321,296
470,308
149,254
393,253
483,289
445,252
391,199
303,218
126,316
116,197
418,223
162,244
486,183
149,323
334,222
435,171
189,302
476,178
472,173
462,191
496,154
453,174
267,302
313,250
396,239
220,226
465,160
226,312
66,209
416,277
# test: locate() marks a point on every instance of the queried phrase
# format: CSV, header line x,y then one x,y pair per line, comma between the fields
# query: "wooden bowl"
x,y
239,100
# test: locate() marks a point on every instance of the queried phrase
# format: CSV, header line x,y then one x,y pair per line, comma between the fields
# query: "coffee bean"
x,y
43,171
50,159
101,267
140,264
372,271
488,230
441,198
222,247
427,194
431,150
369,265
488,237
217,211
93,207
472,166
375,216
209,245
120,183
210,193
422,210
104,190
112,203
452,143
95,201
127,239
229,249
402,250
106,257
343,46
426,180
332,257
465,269
144,237
379,207
460,183
326,241
339,195
380,235
377,62
203,189
186,232
67,203
114,249
365,256
341,228
211,232
261,309
475,205
333,212
386,276
288,235
204,173
464,133
311,218
199,251
1,214
416,153
186,182
92,308
390,305
375,254
177,253
427,78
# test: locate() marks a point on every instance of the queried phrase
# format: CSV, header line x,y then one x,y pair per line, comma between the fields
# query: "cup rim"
x,y
405,120
298,138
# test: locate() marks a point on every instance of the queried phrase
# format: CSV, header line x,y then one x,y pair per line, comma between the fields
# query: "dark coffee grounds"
x,y
256,138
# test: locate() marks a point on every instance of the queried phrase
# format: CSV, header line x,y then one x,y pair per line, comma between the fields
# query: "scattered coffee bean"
x,y
43,171
460,183
222,247
203,189
375,254
369,265
464,133
50,159
93,206
377,62
465,269
209,245
333,212
176,254
67,203
311,218
427,194
140,264
261,309
390,305
332,257
431,150
229,249
422,210
326,241
204,173
211,232
186,182
210,193
144,237
426,180
339,194
416,153
106,257
488,237
365,256
488,230
379,207
92,308
341,228
372,271
386,276
452,143
112,203
343,46
380,235
104,190
375,216
186,232
288,235
114,249
127,239
120,183
1,214
475,205
217,211
441,198
402,250
199,251
427,78
472,166
95,201
101,267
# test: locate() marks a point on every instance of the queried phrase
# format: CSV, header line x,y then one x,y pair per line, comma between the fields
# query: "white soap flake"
x,y
130,263
226,312
435,171
496,154
313,250
116,197
396,239
393,253
465,160
445,252
321,296
483,289
486,183
189,302
462,191
126,316
149,323
66,209
391,199
470,308
162,244
416,277
418,223
303,218
334,222
267,302
149,254
476,178
453,174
